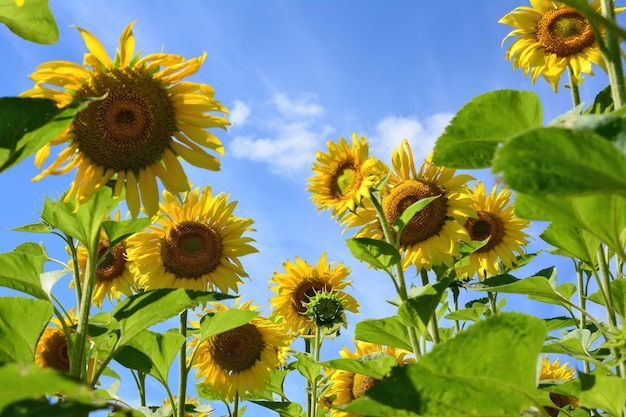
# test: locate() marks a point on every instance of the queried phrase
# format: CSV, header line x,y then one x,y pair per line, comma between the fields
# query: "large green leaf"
x,y
618,296
152,353
388,331
118,231
283,408
21,271
221,321
473,374
27,132
606,392
489,119
561,162
137,313
602,216
376,365
32,21
419,308
572,242
21,322
376,253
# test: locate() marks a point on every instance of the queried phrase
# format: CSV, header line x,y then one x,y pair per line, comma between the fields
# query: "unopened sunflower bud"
x,y
325,309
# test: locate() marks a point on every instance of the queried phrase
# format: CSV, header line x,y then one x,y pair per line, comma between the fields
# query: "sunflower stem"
x,y
613,57
236,404
582,298
434,328
573,84
492,302
182,382
400,284
77,358
316,355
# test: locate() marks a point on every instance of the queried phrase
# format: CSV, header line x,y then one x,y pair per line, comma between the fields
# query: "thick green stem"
x,y
582,299
78,366
182,381
573,83
613,57
492,302
434,328
317,347
236,405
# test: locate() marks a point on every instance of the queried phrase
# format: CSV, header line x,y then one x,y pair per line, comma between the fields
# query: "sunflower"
x,y
113,276
347,386
239,360
190,401
557,371
300,282
195,243
140,118
52,350
431,236
344,175
497,222
552,36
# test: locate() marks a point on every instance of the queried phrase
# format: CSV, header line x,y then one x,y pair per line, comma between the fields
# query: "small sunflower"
x,y
344,175
113,276
347,386
557,371
52,350
300,282
239,360
195,244
190,401
431,236
496,221
143,117
550,37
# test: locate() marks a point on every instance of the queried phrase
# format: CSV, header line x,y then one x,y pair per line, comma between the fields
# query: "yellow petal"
x,y
132,195
127,45
95,47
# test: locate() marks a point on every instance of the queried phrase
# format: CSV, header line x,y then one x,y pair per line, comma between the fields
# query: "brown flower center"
x,y
131,127
346,179
54,353
487,225
191,249
362,383
238,349
564,32
428,222
306,290
114,264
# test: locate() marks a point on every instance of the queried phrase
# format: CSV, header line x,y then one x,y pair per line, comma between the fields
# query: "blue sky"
x,y
295,74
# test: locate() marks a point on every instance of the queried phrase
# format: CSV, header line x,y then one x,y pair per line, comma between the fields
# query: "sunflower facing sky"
x,y
300,282
347,386
142,117
431,237
497,222
344,175
195,243
114,276
239,360
550,36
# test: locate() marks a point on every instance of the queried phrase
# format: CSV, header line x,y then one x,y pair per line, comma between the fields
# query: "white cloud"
x,y
288,139
302,107
422,135
239,113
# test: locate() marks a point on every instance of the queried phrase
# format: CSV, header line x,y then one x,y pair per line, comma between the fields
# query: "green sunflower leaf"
x,y
218,322
376,365
33,20
602,216
463,375
388,332
575,343
307,366
151,352
419,308
22,320
283,408
28,124
376,253
400,223
33,228
561,162
606,392
20,271
618,296
138,312
118,231
473,135
572,242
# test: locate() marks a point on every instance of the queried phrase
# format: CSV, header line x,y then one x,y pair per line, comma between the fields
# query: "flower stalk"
x,y
613,57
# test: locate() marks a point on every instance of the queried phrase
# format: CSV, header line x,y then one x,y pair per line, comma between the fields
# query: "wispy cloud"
x,y
288,136
421,134
239,113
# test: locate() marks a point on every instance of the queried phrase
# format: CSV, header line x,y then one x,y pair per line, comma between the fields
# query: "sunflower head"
x,y
495,220
140,118
344,175
240,360
195,244
431,236
551,36
301,283
325,309
557,371
52,350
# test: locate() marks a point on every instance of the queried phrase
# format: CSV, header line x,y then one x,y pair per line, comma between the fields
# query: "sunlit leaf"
x,y
400,223
118,231
561,162
218,322
419,309
606,392
22,321
376,365
572,242
464,375
283,408
306,365
388,332
32,21
21,271
375,252
489,119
